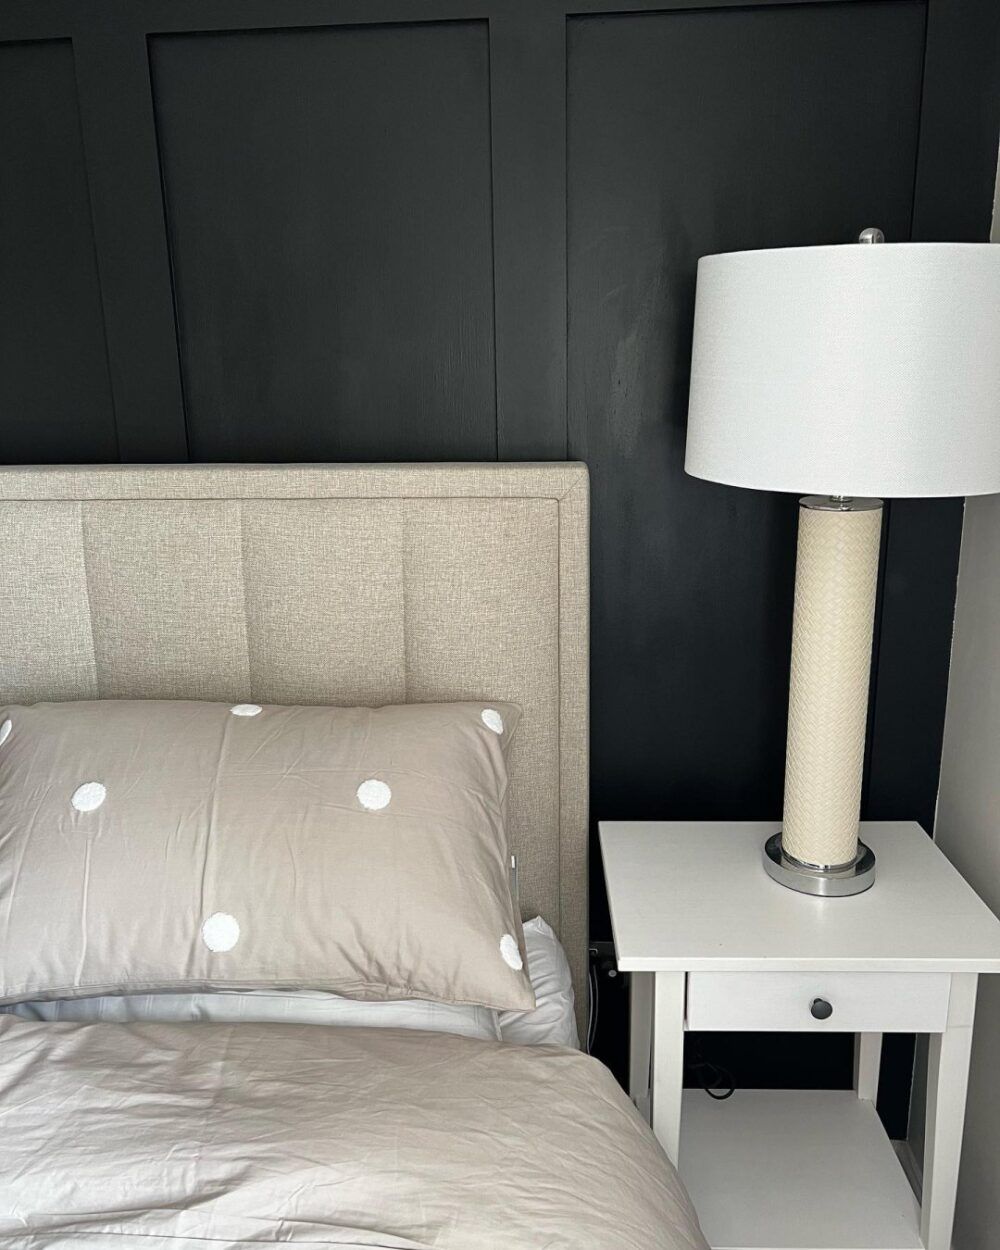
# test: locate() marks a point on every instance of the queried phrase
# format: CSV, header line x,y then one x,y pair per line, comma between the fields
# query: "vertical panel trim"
x,y
97,259
119,140
920,112
528,154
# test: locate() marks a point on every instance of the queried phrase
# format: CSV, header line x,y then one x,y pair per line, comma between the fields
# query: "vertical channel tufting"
x,y
251,685
46,649
86,598
324,600
166,598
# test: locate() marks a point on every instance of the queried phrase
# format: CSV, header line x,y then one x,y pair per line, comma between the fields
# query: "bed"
x,y
356,586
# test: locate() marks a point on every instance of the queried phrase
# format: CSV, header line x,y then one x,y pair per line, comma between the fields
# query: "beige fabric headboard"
x,y
345,584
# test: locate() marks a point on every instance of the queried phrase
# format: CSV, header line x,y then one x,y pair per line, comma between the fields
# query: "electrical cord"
x,y
714,1079
593,1003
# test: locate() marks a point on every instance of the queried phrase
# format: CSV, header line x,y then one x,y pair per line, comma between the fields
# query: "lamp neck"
x,y
839,503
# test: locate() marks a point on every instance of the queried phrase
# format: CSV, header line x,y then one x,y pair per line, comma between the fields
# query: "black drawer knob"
x,y
821,1009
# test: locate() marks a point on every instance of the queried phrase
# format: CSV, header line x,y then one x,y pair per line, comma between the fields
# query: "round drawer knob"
x,y
821,1009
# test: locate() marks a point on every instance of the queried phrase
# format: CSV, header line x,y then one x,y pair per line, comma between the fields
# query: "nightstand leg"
x,y
668,1060
640,1002
867,1062
947,1082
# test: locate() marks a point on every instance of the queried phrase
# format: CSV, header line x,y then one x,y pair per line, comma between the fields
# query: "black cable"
x,y
593,1007
712,1077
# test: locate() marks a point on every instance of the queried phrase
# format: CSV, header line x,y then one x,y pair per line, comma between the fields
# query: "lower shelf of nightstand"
x,y
795,1170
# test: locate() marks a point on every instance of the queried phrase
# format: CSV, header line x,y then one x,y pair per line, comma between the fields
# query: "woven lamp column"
x,y
836,574
851,372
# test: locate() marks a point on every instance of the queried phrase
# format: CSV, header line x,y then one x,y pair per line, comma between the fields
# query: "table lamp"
x,y
846,373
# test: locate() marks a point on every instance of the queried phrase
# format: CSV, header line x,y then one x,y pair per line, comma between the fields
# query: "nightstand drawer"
x,y
835,1002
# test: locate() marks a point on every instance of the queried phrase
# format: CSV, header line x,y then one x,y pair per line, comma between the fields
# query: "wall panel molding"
x,y
329,220
116,115
49,19
528,116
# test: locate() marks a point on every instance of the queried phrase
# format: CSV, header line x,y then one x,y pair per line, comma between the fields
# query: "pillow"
x,y
553,1020
266,1007
196,846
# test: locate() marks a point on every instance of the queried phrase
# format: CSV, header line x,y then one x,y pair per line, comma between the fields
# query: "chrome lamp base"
x,y
835,882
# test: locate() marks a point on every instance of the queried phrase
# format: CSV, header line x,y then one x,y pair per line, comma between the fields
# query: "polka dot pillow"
x,y
201,846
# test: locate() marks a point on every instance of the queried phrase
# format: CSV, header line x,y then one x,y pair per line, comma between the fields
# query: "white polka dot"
x,y
510,952
220,932
5,729
374,794
246,709
492,720
89,796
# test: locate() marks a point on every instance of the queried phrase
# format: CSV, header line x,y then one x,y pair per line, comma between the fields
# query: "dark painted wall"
x,y
429,229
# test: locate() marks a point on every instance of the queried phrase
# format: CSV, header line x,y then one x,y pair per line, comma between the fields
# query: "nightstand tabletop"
x,y
689,896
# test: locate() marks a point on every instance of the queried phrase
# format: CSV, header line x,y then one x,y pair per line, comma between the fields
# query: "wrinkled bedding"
x,y
202,1136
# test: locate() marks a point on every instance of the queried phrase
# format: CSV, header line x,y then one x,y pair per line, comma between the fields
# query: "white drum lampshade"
x,y
846,372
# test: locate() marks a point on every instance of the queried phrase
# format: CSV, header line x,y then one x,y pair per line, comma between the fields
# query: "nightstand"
x,y
713,943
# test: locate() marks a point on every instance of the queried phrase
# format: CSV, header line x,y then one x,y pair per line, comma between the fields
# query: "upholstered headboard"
x,y
345,584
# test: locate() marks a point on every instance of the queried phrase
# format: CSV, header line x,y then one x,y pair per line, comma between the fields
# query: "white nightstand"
x,y
713,943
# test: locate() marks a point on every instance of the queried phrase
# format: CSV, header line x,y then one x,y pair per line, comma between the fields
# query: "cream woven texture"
x,y
343,584
835,580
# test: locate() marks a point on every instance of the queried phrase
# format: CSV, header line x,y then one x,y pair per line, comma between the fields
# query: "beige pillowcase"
x,y
196,846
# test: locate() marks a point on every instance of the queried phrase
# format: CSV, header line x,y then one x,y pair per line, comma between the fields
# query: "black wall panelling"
x,y
432,229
